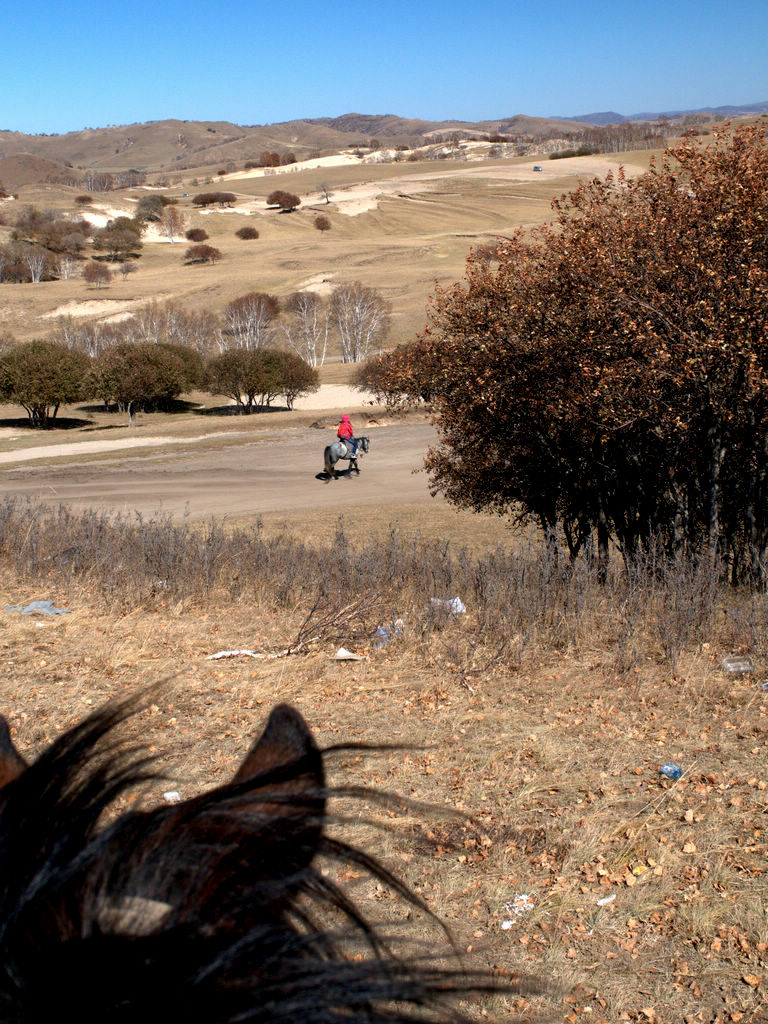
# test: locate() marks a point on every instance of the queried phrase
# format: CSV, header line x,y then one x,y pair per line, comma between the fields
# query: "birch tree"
x,y
306,329
362,318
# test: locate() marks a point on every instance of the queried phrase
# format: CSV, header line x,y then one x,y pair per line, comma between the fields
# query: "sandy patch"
x,y
334,396
99,216
320,284
95,307
244,208
337,160
53,451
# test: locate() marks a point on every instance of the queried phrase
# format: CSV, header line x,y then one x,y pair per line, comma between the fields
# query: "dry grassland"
x,y
423,218
554,845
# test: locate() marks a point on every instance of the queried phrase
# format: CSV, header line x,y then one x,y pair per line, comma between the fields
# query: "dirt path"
x,y
246,479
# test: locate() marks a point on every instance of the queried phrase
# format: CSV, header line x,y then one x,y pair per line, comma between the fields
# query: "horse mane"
x,y
211,911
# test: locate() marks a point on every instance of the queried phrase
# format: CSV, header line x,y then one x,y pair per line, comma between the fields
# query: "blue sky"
x,y
76,65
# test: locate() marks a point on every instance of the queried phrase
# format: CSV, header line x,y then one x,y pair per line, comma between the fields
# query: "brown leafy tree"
x,y
120,238
97,274
322,223
214,198
134,375
202,254
254,378
41,376
171,222
609,378
287,201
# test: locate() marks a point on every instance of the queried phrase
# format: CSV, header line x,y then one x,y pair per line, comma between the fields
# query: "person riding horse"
x,y
346,434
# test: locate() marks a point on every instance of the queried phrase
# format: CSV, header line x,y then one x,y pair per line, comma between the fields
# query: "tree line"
x,y
257,348
42,375
606,376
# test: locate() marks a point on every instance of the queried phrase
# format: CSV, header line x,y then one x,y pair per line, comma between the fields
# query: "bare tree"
x,y
325,191
126,269
362,318
66,267
91,338
171,222
35,260
249,319
307,328
7,259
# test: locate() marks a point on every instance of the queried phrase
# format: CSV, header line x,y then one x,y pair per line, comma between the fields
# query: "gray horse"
x,y
338,451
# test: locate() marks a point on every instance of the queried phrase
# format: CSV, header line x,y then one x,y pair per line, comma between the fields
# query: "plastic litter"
x,y
737,666
172,796
384,634
37,608
521,904
454,605
606,900
344,655
671,770
764,686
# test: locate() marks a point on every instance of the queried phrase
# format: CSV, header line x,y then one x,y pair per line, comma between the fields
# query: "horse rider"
x,y
346,434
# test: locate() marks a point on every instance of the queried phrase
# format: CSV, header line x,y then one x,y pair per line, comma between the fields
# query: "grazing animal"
x,y
338,451
208,911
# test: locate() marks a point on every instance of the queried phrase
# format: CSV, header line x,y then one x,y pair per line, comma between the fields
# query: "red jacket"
x,y
345,431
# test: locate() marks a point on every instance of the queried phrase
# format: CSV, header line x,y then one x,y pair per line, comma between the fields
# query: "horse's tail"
x,y
329,471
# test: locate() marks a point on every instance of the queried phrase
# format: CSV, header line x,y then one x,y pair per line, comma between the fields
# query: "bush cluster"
x,y
287,201
214,198
42,375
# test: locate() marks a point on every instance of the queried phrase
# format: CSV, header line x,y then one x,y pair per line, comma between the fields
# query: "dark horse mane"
x,y
209,910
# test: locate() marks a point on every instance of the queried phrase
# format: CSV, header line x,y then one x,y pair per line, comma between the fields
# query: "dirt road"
x,y
273,473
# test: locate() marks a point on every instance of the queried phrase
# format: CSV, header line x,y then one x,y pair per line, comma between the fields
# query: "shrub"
x,y
609,380
247,234
202,254
97,274
83,200
119,238
196,235
212,198
287,201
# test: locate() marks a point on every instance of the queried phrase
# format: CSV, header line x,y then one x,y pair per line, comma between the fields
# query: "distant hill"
x,y
25,169
172,146
611,117
167,146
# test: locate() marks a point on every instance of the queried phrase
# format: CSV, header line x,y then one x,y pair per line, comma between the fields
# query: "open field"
x,y
398,227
